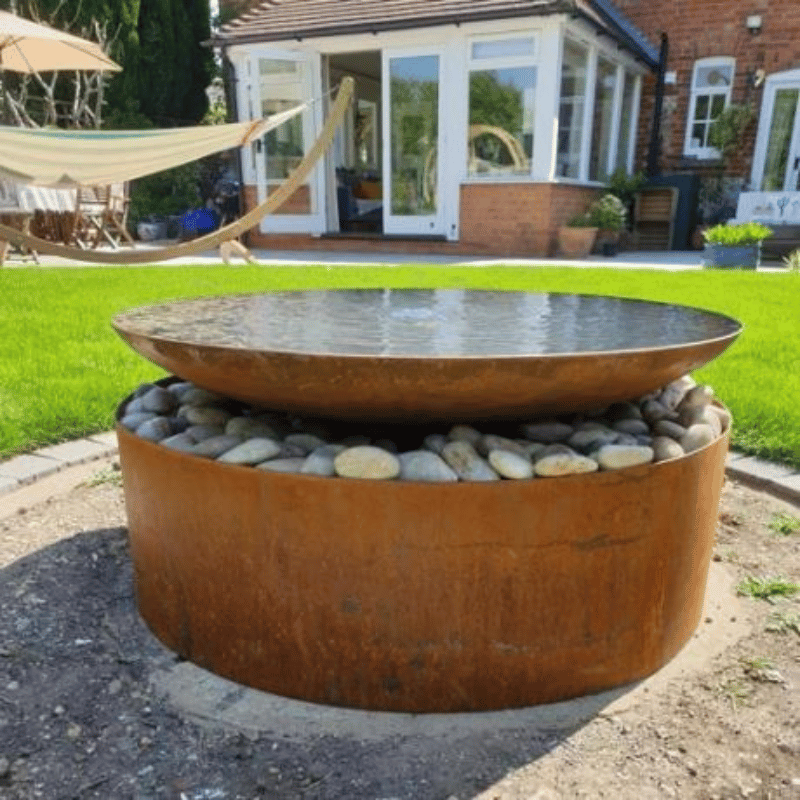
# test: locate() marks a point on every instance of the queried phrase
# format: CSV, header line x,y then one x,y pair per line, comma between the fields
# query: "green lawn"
x,y
63,370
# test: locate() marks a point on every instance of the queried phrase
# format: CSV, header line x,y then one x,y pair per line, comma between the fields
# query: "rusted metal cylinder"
x,y
421,597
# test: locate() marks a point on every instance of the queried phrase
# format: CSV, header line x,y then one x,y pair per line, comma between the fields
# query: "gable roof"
x,y
276,20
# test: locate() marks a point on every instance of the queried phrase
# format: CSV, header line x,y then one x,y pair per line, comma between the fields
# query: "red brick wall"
x,y
496,219
521,218
701,28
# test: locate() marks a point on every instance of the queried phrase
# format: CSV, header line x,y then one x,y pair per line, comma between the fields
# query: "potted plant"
x,y
609,215
576,238
737,245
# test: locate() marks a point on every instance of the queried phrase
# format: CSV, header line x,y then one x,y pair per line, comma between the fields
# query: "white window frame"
x,y
790,79
530,60
694,93
624,70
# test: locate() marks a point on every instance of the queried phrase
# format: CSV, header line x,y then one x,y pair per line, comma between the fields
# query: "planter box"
x,y
730,256
576,242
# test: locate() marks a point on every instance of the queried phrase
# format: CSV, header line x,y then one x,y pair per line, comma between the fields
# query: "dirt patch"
x,y
84,712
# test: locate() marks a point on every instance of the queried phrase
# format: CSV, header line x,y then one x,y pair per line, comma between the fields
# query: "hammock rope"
x,y
211,240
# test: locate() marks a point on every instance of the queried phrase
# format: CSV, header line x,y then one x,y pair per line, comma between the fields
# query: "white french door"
x,y
413,142
281,80
776,166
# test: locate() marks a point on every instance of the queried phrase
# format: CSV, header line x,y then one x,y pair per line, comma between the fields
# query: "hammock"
x,y
62,159
43,178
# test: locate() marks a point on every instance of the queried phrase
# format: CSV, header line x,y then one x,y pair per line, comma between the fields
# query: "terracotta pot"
x,y
576,242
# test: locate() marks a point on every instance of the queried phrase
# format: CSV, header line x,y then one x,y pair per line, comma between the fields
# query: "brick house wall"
x,y
503,219
701,28
519,218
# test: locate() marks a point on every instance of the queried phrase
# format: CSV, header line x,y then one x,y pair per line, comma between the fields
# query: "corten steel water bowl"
x,y
421,597
437,354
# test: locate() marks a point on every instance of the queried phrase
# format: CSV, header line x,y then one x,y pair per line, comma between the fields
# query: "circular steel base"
x,y
421,597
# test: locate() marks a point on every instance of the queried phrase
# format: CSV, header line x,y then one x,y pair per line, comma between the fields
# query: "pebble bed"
x,y
677,419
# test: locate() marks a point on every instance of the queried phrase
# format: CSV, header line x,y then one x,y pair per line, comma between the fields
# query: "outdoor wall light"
x,y
754,23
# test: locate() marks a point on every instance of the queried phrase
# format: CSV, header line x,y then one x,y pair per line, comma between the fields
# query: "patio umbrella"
x,y
26,46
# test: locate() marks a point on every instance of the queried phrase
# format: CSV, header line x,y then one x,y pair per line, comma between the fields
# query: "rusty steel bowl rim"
x,y
729,337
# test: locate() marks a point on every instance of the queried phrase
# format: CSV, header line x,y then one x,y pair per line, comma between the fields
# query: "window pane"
x,y
717,105
414,122
715,76
601,122
701,107
699,135
498,48
570,116
625,121
501,112
780,140
284,84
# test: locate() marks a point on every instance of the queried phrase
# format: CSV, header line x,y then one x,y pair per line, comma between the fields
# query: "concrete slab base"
x,y
217,702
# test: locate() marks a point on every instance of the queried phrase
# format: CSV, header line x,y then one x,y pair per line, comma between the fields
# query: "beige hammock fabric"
x,y
61,159
211,240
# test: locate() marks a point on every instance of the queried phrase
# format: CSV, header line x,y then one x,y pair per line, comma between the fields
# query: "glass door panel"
x,y
780,171
411,192
283,82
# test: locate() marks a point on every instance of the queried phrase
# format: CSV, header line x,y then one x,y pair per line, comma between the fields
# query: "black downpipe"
x,y
654,149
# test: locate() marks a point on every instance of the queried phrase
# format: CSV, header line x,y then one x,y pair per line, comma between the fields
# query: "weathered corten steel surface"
x,y
436,354
421,597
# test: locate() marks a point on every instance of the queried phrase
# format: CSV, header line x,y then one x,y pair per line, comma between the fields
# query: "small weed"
x,y
757,663
731,556
111,475
767,588
785,524
761,670
783,622
792,261
736,691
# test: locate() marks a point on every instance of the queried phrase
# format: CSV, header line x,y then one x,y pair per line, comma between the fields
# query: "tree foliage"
x,y
158,43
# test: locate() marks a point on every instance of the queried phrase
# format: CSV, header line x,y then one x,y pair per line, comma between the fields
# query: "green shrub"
x,y
607,212
736,235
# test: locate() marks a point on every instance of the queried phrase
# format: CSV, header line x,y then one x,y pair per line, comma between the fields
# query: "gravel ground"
x,y
89,706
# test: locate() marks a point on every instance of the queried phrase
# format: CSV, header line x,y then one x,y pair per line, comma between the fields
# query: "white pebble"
x,y
215,446
665,448
697,436
619,456
287,465
253,451
425,466
366,462
510,465
464,460
558,464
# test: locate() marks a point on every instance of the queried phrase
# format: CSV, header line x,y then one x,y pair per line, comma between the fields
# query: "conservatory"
x,y
483,124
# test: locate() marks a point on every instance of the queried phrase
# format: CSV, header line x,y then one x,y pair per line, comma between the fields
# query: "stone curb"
x,y
778,480
26,469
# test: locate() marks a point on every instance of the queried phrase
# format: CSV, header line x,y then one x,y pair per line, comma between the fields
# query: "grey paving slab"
x,y
27,468
760,469
108,439
789,488
75,452
733,455
8,485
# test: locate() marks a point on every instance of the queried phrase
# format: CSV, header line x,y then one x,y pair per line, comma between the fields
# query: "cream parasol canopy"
x,y
27,46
